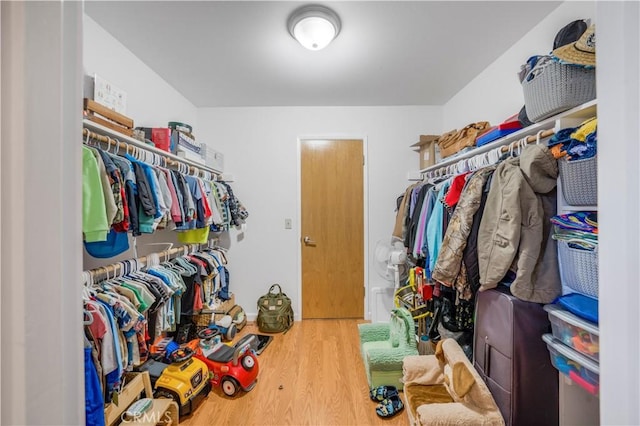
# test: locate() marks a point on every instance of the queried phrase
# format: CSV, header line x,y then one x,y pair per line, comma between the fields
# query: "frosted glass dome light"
x,y
314,26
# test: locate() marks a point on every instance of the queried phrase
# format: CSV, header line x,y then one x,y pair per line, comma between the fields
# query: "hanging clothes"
x,y
399,229
447,266
514,225
95,225
434,227
110,203
93,398
129,178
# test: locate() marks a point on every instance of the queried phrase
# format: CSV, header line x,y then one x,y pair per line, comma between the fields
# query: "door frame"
x,y
365,211
41,138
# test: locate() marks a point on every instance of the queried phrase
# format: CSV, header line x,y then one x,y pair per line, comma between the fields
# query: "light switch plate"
x,y
287,224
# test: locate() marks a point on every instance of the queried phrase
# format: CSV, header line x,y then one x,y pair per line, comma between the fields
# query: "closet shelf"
x,y
105,131
569,209
585,110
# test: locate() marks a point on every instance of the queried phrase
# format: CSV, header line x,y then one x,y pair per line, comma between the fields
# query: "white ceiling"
x,y
239,53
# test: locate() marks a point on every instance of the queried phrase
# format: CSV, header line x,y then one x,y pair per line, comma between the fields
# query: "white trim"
x,y
13,57
299,227
0,221
365,188
618,66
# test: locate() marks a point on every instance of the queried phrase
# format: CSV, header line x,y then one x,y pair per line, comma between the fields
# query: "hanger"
x,y
511,149
520,145
497,154
89,314
87,289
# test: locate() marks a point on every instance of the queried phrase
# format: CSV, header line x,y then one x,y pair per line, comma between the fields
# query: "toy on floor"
x,y
263,342
183,379
232,367
226,327
259,343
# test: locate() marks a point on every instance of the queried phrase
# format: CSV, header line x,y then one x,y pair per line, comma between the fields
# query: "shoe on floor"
x,y
389,407
382,392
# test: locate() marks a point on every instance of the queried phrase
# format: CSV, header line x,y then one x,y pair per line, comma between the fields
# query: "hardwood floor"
x,y
312,375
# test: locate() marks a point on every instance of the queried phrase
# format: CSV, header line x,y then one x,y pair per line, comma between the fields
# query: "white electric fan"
x,y
391,261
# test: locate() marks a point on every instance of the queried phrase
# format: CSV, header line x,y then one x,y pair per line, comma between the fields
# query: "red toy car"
x,y
231,367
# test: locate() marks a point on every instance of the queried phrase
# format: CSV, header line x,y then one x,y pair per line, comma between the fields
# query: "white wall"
x,y
260,148
151,101
496,93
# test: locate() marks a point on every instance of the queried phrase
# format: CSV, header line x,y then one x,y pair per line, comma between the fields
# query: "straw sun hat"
x,y
582,52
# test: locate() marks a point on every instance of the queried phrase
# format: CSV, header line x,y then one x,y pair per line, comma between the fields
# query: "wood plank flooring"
x,y
312,375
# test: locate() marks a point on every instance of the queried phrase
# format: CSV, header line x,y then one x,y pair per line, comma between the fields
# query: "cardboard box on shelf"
x,y
426,147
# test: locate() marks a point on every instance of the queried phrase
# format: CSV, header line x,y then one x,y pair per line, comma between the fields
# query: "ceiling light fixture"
x,y
314,26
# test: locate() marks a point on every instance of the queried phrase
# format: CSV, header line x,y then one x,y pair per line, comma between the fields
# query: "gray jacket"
x,y
515,229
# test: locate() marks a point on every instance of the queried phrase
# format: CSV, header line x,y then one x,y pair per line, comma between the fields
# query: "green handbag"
x,y
275,314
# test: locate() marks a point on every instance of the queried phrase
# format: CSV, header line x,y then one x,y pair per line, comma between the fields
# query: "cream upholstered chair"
x,y
445,389
384,346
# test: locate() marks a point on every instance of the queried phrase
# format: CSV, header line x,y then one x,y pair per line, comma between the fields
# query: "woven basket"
x,y
553,87
202,320
579,179
578,269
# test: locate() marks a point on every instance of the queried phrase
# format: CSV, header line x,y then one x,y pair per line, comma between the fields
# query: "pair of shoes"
x,y
382,392
389,407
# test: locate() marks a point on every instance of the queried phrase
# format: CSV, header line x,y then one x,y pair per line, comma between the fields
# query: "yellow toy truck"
x,y
185,379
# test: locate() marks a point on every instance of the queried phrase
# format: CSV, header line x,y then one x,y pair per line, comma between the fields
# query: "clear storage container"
x,y
575,332
582,370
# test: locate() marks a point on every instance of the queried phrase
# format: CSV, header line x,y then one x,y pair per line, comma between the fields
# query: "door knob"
x,y
308,241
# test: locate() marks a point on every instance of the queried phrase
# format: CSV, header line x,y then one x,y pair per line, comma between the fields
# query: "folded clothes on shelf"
x,y
576,143
579,230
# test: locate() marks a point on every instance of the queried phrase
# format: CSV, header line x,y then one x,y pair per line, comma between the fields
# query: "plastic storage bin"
x,y
582,370
552,87
574,332
579,180
578,269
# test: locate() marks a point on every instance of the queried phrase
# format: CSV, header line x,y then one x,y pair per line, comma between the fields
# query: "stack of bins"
x,y
574,347
574,343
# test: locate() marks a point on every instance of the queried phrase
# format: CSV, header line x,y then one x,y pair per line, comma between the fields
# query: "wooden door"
x,y
333,226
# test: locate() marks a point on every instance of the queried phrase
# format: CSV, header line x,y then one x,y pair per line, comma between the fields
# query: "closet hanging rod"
x,y
543,134
106,135
116,269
